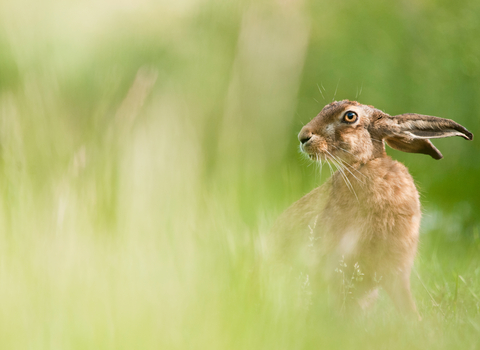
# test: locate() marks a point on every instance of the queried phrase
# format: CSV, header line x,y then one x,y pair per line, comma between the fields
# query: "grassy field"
x,y
146,149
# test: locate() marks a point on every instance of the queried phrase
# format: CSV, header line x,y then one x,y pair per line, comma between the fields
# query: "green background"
x,y
147,147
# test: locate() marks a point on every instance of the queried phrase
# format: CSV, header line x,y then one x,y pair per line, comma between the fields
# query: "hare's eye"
x,y
350,117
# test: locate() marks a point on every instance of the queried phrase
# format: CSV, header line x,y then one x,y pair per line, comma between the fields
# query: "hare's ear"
x,y
411,132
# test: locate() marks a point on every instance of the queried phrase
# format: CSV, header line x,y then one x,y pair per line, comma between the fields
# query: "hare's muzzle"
x,y
305,135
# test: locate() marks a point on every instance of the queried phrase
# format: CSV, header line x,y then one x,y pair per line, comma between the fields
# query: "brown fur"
x,y
370,213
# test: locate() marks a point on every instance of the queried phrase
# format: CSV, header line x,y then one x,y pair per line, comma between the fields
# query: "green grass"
x,y
146,151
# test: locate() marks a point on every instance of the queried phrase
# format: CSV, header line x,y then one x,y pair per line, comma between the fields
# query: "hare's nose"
x,y
304,135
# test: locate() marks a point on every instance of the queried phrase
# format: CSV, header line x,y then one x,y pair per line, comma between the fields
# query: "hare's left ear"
x,y
411,132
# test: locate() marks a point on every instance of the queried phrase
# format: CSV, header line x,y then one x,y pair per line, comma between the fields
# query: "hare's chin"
x,y
312,152
316,156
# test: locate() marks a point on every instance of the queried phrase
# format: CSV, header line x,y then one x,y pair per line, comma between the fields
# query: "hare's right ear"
x,y
411,132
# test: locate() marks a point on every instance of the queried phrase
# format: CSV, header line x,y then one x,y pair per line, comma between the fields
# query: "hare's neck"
x,y
372,178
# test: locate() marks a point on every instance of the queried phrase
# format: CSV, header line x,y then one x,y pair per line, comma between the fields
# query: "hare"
x,y
367,215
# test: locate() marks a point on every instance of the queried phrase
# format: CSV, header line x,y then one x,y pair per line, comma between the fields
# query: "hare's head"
x,y
356,133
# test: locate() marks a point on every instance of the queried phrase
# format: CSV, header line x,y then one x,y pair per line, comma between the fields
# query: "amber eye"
x,y
350,117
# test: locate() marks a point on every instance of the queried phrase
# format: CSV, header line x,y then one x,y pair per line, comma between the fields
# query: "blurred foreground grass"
x,y
147,148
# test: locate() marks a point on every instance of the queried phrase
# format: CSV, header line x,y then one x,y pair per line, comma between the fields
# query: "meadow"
x,y
146,149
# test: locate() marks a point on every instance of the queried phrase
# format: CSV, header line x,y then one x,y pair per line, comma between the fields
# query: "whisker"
x,y
339,160
338,166
347,181
344,150
320,165
342,173
316,165
345,162
354,170
335,94
321,168
330,166
321,93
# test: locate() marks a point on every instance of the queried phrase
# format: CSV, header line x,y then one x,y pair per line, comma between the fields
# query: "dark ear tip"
x,y
467,135
435,153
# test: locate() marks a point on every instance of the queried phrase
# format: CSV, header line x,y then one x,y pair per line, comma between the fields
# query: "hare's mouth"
x,y
317,154
315,148
314,154
308,148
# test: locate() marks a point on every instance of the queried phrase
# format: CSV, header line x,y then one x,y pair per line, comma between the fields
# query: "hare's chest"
x,y
366,218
